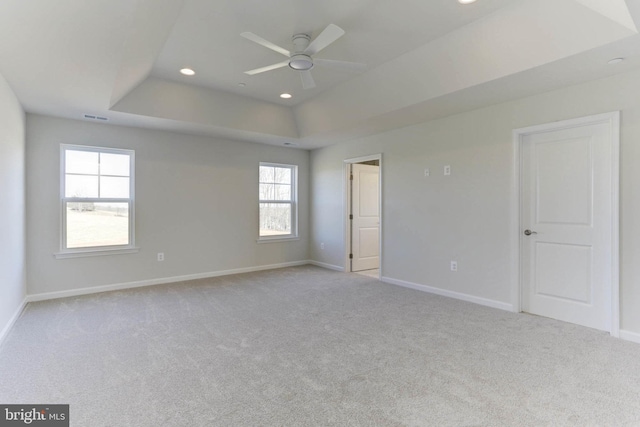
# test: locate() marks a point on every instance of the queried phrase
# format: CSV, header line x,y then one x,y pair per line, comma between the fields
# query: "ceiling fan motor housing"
x,y
299,60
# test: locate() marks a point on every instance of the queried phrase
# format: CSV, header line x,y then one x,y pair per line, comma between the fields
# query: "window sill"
x,y
277,239
96,252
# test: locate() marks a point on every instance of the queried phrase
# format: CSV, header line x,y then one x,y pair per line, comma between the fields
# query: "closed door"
x,y
365,226
566,224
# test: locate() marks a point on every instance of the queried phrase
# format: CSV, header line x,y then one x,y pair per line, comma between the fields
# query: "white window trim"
x,y
294,206
95,250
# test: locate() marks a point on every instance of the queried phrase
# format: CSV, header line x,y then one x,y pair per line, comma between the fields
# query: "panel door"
x,y
566,225
365,226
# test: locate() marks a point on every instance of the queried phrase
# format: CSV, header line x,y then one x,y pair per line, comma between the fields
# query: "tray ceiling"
x,y
425,59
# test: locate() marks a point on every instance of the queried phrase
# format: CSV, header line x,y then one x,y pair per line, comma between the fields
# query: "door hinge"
x,y
350,216
351,177
350,256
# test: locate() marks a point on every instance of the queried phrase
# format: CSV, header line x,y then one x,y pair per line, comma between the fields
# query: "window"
x,y
278,194
96,199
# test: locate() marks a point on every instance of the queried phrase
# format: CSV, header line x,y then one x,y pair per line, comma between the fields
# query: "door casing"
x,y
613,120
347,204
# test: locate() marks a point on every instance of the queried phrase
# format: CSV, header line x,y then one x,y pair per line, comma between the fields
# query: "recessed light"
x,y
285,95
615,61
187,72
466,1
242,84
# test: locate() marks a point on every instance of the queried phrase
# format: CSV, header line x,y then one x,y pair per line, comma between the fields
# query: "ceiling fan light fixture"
x,y
301,62
301,57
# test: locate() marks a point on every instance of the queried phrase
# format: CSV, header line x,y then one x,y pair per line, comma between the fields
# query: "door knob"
x,y
529,232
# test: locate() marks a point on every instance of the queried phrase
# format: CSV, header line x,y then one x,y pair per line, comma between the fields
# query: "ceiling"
x,y
120,59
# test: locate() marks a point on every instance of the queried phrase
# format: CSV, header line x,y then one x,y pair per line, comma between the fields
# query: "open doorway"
x,y
363,204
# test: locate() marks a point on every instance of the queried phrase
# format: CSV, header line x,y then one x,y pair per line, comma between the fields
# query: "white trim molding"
x,y
630,336
7,328
278,240
613,119
99,252
450,294
327,266
158,281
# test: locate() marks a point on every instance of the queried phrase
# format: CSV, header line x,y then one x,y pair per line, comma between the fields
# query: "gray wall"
x,y
196,201
12,189
466,217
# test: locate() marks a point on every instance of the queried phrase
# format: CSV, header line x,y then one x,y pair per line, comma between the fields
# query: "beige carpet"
x,y
304,347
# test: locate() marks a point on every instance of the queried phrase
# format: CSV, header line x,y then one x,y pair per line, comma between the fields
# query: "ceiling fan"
x,y
301,58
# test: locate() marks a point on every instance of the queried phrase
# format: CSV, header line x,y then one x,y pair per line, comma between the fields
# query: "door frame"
x,y
347,207
613,120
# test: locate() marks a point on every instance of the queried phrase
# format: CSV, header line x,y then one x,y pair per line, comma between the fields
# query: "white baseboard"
x,y
451,294
630,336
325,265
158,281
12,321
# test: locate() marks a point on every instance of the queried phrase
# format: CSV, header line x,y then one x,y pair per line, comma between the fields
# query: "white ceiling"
x,y
425,59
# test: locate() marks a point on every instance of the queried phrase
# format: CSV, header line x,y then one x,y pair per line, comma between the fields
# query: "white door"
x,y
566,224
365,226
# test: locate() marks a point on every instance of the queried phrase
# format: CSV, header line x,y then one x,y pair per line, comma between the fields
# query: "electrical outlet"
x,y
160,256
322,246
427,172
447,170
454,265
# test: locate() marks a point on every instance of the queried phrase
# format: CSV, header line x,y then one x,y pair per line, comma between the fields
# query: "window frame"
x,y
66,252
293,202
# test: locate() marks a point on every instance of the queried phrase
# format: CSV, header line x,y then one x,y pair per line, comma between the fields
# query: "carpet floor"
x,y
305,346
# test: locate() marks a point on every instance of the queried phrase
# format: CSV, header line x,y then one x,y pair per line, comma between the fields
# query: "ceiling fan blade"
x,y
307,79
267,68
326,37
355,67
257,39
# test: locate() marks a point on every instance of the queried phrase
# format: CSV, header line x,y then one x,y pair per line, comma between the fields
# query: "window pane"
x,y
266,191
84,162
275,219
114,164
282,175
81,186
97,224
266,174
282,192
111,187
